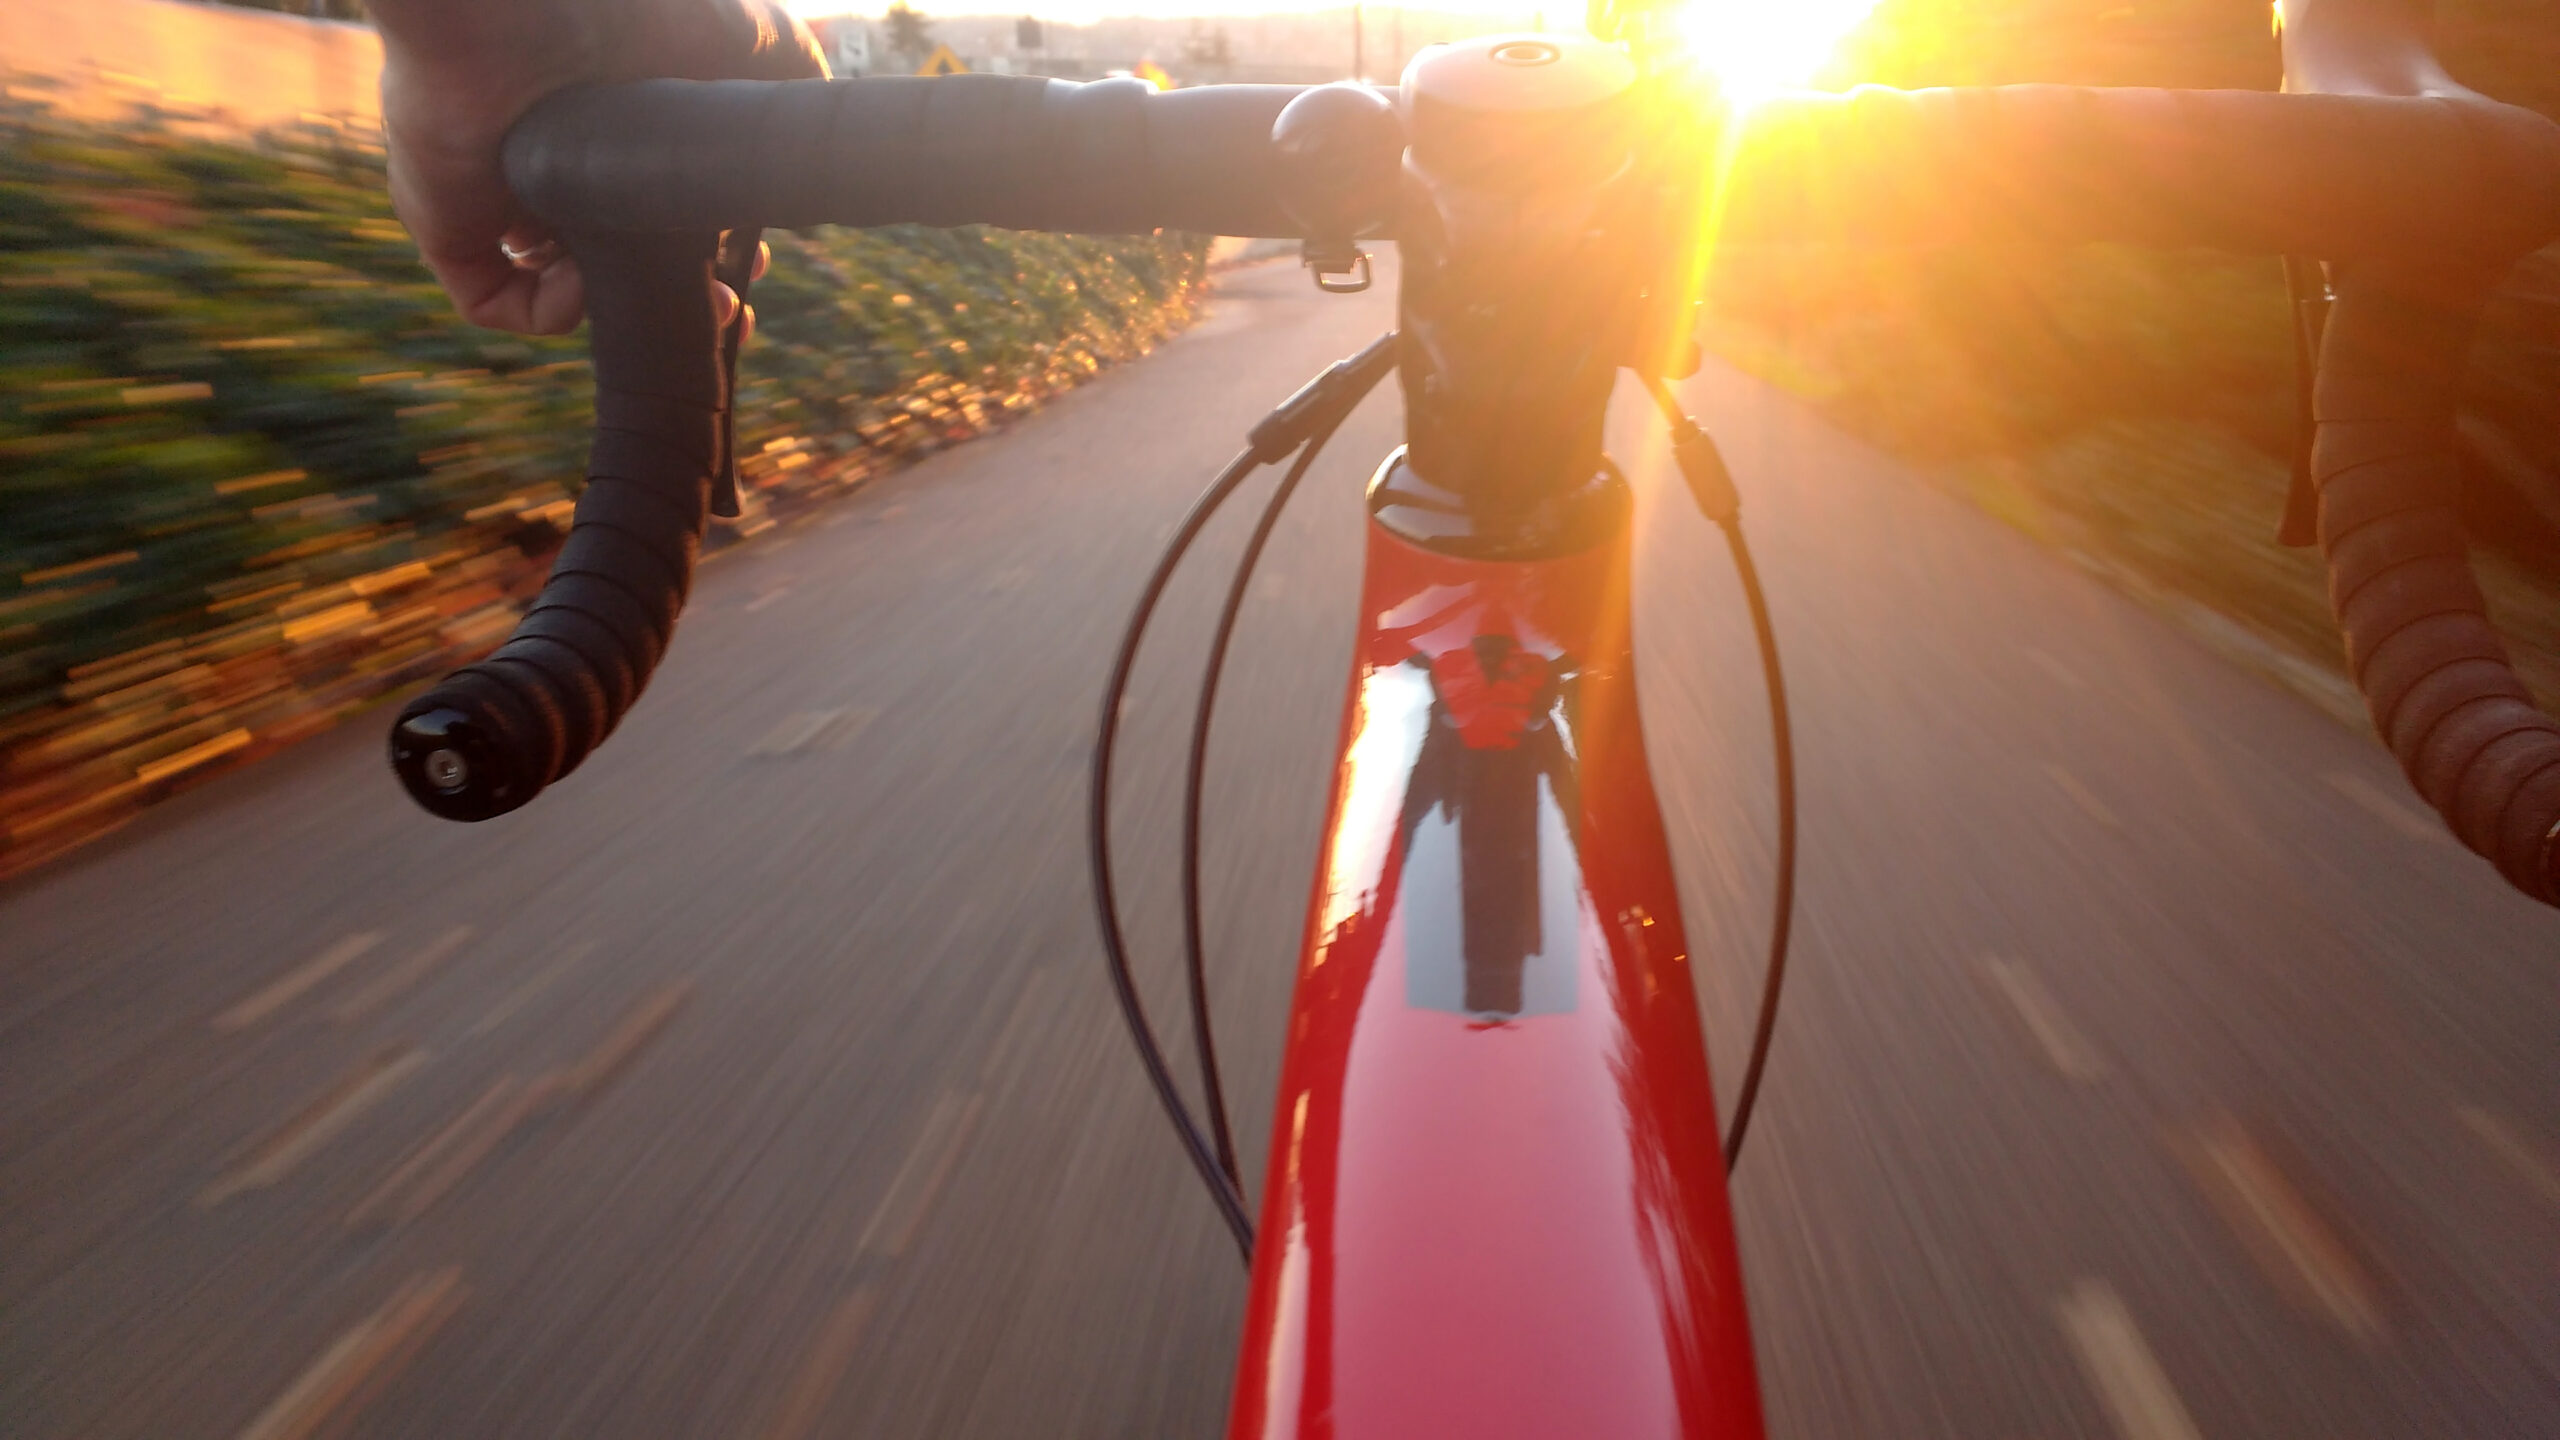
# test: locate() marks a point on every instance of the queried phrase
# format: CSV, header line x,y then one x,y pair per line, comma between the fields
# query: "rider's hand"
x,y
457,73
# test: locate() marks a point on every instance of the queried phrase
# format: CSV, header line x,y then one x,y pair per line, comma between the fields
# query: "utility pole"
x,y
1359,63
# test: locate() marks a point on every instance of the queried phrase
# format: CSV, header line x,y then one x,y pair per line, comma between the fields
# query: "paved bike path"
x,y
2149,1064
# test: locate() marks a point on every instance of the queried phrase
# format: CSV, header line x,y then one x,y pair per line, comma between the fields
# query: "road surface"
x,y
2153,1069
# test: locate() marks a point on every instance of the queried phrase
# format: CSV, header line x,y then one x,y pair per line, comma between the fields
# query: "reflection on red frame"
x,y
1496,1205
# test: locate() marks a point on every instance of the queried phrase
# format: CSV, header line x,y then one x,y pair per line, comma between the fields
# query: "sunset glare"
x,y
1756,48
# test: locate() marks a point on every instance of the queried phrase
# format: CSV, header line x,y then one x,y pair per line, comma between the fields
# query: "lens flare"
x,y
1756,48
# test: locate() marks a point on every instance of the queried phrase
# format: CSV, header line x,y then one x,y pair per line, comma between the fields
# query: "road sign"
x,y
942,62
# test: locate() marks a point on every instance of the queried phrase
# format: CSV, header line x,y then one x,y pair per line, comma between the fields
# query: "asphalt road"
x,y
2153,1070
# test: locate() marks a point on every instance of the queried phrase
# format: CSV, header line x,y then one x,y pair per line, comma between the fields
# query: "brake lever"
x,y
734,267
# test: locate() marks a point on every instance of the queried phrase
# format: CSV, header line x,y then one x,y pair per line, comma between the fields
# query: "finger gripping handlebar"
x,y
490,736
642,179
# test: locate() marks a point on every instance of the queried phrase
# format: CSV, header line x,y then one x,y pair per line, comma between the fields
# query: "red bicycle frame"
x,y
1496,1204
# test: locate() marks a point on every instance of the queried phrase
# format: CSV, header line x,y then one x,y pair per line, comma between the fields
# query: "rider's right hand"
x,y
457,73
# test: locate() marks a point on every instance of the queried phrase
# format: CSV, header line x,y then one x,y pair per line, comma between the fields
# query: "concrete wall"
x,y
252,67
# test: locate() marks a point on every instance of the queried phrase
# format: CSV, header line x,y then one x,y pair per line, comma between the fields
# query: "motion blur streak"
x,y
1949,1228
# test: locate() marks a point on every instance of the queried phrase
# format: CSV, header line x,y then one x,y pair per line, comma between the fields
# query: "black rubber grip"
x,y
1109,156
2445,181
490,736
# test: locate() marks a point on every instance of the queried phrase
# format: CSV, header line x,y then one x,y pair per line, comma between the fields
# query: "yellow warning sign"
x,y
942,62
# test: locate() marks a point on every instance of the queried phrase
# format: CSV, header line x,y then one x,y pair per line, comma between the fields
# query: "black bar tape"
x,y
2496,777
550,675
2429,585
600,653
614,545
631,624
2375,549
492,735
2436,681
2392,672
1013,150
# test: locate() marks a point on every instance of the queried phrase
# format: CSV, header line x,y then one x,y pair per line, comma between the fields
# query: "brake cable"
x,y
1711,485
1303,424
1306,419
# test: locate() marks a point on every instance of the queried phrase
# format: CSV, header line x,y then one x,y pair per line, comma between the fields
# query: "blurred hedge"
x,y
2137,408
253,474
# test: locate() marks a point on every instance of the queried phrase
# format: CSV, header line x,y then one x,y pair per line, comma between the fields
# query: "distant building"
x,y
846,39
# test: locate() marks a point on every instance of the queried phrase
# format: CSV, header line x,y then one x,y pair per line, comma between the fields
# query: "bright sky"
x,y
1756,45
1085,12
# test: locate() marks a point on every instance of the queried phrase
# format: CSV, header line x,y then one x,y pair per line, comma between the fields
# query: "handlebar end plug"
x,y
454,765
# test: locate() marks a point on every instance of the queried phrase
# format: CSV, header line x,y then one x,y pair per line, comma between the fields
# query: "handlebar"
x,y
1013,150
2420,202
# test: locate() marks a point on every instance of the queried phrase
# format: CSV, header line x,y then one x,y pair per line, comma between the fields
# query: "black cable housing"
x,y
1307,418
1711,485
1782,747
1223,1191
1195,950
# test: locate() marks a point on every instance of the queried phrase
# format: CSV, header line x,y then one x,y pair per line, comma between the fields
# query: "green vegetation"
x,y
2134,408
253,474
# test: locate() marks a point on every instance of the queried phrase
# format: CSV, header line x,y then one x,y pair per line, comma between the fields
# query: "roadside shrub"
x,y
254,474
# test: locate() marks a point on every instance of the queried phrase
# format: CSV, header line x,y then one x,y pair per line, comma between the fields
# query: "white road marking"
x,y
526,993
2120,1364
639,1025
317,1124
2052,1030
2081,795
2298,1248
766,598
448,1155
806,730
794,732
291,985
1034,995
919,1182
2520,1154
2402,816
397,981
356,1365
823,1369
848,726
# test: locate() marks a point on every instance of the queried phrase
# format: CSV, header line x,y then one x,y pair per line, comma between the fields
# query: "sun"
x,y
1759,47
